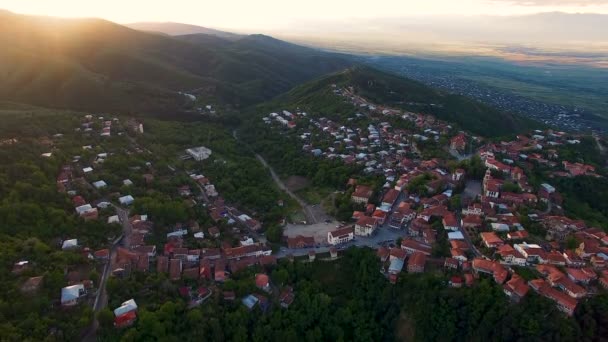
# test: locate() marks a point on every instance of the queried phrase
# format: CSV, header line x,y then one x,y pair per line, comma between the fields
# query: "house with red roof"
x,y
516,288
390,198
511,256
494,164
366,226
517,235
416,262
262,282
493,268
491,240
471,221
450,222
340,236
300,241
581,276
411,246
459,142
362,194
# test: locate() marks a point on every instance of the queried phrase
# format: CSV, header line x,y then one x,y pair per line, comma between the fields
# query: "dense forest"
x,y
350,300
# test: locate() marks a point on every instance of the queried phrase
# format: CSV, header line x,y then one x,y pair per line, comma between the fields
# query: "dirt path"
x,y
308,212
311,218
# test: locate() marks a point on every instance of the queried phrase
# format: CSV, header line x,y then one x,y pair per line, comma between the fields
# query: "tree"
x,y
105,317
274,233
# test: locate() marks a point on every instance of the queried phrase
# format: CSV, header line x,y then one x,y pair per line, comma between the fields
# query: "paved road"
x,y
388,235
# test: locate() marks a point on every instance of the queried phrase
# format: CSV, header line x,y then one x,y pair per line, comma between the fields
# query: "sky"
x,y
272,14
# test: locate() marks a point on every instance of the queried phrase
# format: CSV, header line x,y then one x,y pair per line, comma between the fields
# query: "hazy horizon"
x,y
270,15
511,29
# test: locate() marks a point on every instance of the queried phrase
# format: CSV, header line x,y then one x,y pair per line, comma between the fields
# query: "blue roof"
x,y
250,301
396,265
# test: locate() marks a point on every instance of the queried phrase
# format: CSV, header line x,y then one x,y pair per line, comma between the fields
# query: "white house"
x,y
125,307
126,200
71,294
340,236
100,184
67,244
365,226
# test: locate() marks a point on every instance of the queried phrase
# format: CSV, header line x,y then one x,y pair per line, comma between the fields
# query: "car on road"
x,y
328,221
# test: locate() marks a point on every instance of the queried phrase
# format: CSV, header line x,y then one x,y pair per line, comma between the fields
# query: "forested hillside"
x,y
92,64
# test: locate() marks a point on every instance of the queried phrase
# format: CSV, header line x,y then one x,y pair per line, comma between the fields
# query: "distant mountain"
x,y
383,88
178,29
92,64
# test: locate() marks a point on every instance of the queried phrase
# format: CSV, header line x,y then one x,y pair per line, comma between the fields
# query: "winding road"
x,y
308,212
310,215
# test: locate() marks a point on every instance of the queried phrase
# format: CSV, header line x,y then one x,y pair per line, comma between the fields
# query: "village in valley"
x,y
428,197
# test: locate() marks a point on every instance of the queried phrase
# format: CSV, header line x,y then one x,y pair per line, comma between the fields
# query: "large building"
x,y
340,236
365,226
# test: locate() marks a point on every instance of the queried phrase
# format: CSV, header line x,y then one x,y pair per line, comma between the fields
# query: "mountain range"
x,y
93,64
97,65
179,29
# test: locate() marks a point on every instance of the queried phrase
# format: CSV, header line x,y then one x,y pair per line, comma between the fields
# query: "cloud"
x,y
552,2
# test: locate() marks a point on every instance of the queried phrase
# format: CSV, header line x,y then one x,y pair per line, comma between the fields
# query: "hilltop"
x,y
178,29
93,64
394,91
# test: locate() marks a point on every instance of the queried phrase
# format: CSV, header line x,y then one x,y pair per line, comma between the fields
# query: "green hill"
x,y
383,88
92,64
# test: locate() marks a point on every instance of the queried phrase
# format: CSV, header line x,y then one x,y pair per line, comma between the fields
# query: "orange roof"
x,y
417,259
261,280
517,285
490,238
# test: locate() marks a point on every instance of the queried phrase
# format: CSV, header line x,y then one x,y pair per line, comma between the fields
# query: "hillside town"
x,y
444,201
433,202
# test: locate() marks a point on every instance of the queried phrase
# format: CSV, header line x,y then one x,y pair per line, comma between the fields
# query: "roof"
x,y
418,259
390,196
416,246
342,232
398,253
459,244
125,307
396,265
490,238
455,236
261,280
366,221
449,220
578,274
363,191
517,285
294,242
72,292
250,301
